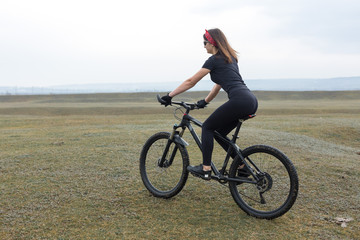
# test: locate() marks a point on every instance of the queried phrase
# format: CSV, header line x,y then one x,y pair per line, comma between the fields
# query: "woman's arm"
x,y
191,82
212,94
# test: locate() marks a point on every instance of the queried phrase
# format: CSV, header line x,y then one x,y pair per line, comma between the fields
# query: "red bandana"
x,y
209,38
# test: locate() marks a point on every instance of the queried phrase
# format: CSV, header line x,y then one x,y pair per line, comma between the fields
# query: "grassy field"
x,y
69,168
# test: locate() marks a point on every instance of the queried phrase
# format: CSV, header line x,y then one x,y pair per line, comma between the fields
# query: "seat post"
x,y
236,133
241,120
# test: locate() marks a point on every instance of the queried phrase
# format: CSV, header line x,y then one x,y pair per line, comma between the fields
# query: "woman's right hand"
x,y
166,99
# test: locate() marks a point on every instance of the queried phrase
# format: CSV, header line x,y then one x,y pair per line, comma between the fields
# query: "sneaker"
x,y
199,172
242,172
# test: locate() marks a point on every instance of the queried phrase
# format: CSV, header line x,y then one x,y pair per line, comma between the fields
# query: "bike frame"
x,y
219,175
248,184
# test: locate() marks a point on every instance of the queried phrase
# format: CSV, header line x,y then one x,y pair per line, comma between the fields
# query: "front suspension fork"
x,y
174,135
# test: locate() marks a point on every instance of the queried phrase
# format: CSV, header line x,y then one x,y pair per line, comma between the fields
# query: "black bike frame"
x,y
219,175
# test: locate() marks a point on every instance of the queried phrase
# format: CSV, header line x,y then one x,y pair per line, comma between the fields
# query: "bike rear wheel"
x,y
169,179
277,188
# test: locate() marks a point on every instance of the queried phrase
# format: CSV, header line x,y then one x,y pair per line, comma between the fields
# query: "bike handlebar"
x,y
188,106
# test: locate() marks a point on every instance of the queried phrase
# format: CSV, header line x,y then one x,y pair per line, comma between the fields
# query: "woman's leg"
x,y
224,120
224,131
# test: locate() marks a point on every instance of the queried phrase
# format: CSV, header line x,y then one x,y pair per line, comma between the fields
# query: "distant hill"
x,y
329,84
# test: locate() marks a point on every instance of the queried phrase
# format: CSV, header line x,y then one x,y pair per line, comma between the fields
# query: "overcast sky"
x,y
45,43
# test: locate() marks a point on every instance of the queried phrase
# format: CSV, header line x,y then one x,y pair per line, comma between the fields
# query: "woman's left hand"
x,y
202,103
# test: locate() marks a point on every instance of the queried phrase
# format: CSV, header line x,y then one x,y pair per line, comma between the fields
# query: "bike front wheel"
x,y
165,179
276,188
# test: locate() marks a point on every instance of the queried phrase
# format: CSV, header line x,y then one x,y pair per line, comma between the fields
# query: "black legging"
x,y
224,119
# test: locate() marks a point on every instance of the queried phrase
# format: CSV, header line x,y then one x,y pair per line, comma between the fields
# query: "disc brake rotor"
x,y
265,182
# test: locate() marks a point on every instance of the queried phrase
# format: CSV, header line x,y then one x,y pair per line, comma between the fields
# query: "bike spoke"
x,y
252,199
163,171
276,185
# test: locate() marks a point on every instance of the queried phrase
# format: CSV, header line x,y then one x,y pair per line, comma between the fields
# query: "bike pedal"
x,y
207,178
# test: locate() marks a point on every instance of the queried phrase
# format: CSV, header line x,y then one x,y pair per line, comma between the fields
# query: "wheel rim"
x,y
272,190
166,178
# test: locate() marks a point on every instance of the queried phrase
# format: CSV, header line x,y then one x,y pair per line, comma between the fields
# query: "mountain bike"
x,y
262,180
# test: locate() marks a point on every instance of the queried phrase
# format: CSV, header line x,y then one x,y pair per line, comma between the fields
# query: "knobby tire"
x,y
279,187
167,181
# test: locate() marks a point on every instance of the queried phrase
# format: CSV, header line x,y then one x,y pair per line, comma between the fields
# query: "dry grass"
x,y
69,169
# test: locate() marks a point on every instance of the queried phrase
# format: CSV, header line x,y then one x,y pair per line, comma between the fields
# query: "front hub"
x,y
165,164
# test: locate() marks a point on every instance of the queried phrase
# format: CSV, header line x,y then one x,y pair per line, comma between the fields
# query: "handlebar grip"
x,y
160,100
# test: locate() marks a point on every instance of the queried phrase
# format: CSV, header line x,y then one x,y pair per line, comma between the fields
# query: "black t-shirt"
x,y
225,74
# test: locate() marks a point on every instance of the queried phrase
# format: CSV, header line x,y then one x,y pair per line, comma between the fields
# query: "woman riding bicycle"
x,y
224,72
